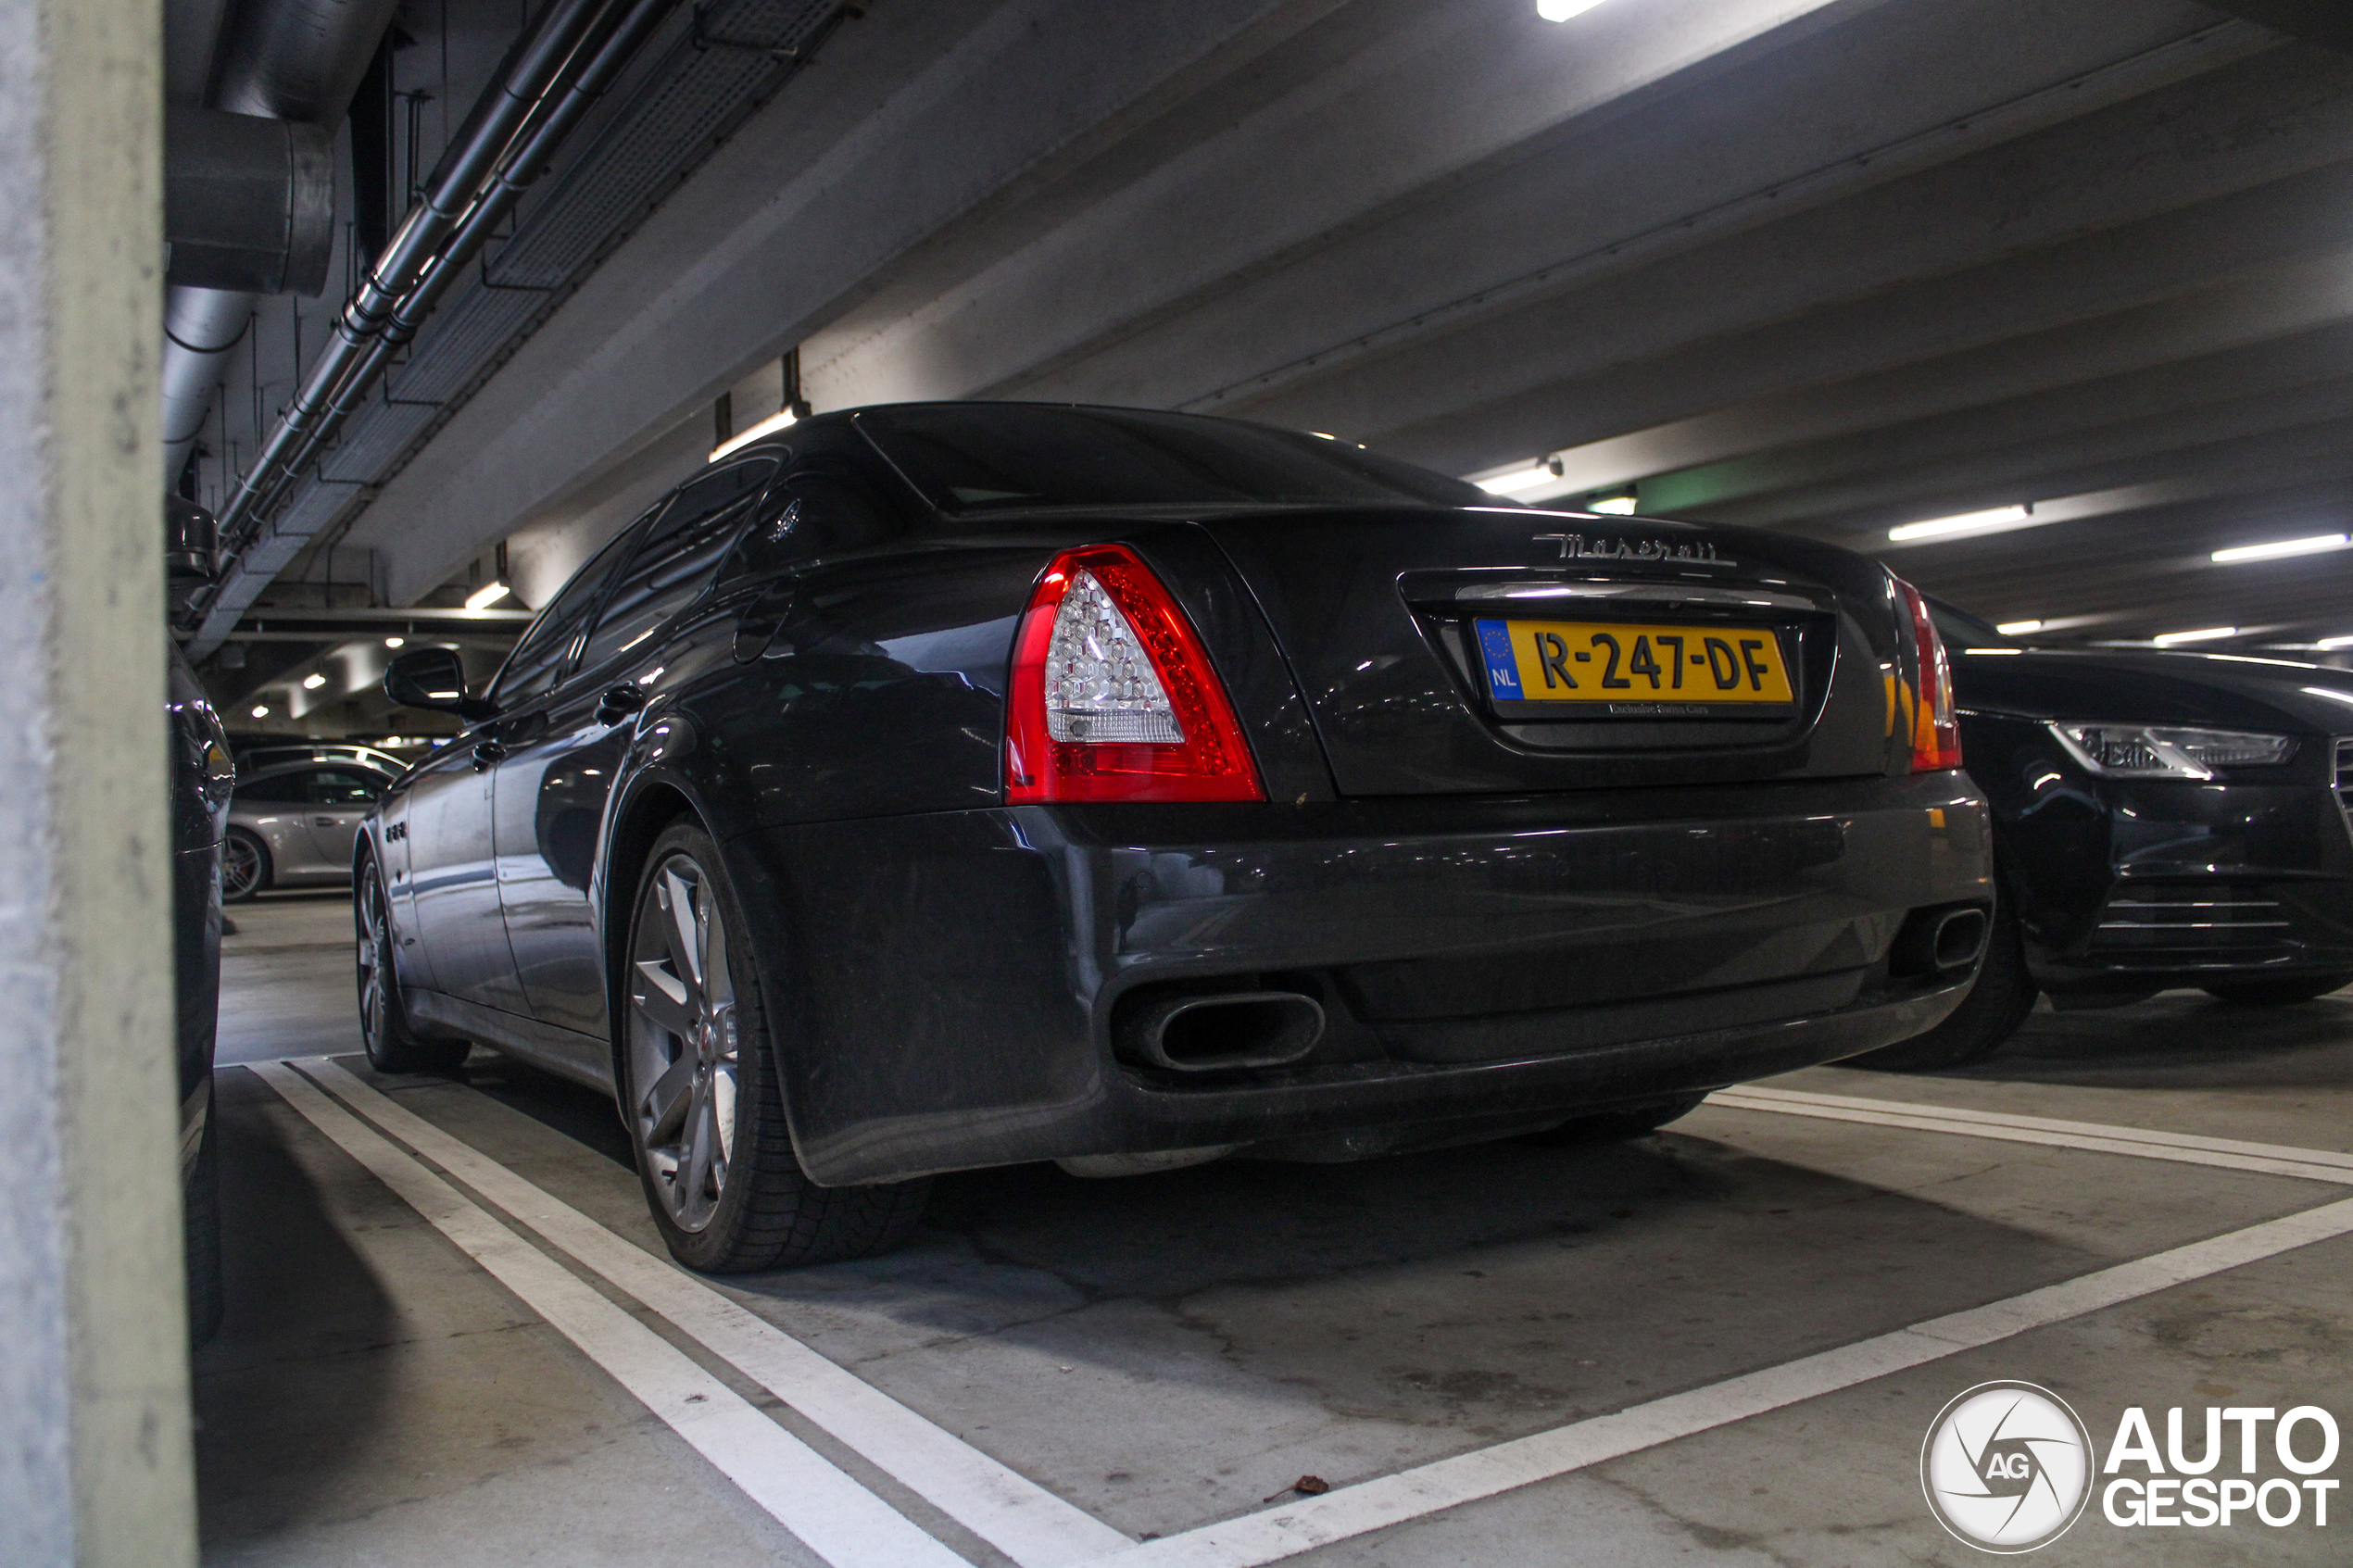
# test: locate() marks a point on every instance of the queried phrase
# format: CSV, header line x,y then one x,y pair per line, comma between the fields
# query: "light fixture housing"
x,y
782,418
2318,544
2202,634
1994,519
487,595
1516,482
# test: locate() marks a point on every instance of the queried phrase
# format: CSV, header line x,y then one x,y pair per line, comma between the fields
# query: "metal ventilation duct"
x,y
706,73
280,59
248,203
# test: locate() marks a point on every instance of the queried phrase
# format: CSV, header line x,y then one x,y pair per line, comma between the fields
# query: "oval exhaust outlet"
x,y
1960,939
1222,1034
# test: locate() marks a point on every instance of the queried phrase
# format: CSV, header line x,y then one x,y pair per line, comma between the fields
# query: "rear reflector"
x,y
1936,735
1113,698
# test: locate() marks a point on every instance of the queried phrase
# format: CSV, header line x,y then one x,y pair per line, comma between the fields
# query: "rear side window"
x,y
274,789
677,558
540,659
345,786
968,457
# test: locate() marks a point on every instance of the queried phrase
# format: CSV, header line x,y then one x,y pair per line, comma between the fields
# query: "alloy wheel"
x,y
684,1053
375,958
239,867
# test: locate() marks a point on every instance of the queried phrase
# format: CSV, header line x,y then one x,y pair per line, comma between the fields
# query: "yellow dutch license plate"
x,y
1640,668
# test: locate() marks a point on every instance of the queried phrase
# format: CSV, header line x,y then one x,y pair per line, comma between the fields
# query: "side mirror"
x,y
434,679
191,542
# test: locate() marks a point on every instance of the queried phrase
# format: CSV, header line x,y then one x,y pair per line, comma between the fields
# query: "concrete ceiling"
x,y
1829,267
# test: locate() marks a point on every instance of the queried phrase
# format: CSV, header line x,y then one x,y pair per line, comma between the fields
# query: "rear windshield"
x,y
981,457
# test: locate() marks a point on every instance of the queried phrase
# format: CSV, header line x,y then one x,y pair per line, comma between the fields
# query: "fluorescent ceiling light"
x,y
261,713
1619,503
2278,548
313,681
1561,11
1991,521
394,642
780,419
487,595
2334,643
1534,477
2204,635
2018,628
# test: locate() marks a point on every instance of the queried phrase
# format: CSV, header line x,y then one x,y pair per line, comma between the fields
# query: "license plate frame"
x,y
1513,666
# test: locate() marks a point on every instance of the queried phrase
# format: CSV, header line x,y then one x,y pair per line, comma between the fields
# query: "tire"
x,y
200,1222
244,866
1615,1127
701,1095
391,1046
1987,1017
2275,993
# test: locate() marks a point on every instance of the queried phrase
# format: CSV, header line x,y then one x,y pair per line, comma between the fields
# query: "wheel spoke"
x,y
670,1099
695,1186
723,1110
685,945
663,1000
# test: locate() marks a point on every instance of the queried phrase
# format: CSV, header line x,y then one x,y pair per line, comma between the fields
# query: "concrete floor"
x,y
1166,1352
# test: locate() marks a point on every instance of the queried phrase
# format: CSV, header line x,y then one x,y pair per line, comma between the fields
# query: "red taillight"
x,y
1936,735
1085,721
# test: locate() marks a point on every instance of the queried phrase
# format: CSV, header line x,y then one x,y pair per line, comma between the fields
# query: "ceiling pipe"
x,y
557,76
280,59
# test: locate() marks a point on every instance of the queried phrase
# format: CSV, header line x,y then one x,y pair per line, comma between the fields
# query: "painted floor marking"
x,y
836,1517
766,1352
1012,1513
1449,1483
2274,1159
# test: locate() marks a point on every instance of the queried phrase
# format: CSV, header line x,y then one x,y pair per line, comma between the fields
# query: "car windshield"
x,y
983,457
1961,630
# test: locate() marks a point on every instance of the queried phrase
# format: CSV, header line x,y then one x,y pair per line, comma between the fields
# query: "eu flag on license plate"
x,y
1502,670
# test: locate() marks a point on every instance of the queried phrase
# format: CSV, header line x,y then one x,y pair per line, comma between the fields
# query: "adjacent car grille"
x,y
2203,918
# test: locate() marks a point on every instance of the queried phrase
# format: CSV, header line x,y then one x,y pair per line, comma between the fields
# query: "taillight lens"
x,y
1936,735
1113,698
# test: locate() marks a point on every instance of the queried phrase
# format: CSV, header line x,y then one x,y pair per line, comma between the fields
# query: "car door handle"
x,y
486,755
326,821
620,702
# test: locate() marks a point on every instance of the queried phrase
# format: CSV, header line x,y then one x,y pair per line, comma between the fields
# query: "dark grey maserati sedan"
x,y
936,786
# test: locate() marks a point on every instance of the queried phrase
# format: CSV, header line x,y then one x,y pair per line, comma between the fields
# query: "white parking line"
x,y
1004,1508
837,1518
1449,1483
2275,1160
1010,1512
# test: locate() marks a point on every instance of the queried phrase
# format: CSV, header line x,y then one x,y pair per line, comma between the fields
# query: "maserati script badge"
x,y
1577,546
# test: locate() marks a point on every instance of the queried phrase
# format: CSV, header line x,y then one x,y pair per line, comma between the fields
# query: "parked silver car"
x,y
292,825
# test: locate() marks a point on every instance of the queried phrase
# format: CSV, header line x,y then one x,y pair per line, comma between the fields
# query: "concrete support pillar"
x,y
94,1463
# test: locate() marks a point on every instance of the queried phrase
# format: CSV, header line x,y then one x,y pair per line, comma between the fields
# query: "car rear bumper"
x,y
951,990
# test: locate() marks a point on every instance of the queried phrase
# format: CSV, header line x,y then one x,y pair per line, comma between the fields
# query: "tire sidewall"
x,y
758,1117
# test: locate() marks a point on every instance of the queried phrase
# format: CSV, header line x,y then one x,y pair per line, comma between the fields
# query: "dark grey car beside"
x,y
938,787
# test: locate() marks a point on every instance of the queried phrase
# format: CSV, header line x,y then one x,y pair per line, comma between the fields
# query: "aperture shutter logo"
x,y
2006,1467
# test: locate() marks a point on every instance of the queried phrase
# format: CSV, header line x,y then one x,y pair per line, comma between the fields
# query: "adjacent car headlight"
x,y
2150,751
